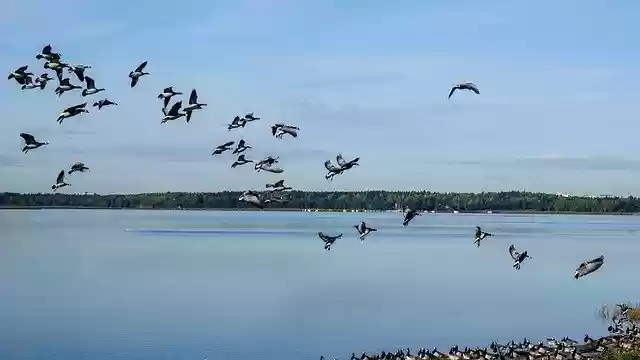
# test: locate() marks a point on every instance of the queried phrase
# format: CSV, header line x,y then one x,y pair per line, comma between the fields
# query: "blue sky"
x,y
366,78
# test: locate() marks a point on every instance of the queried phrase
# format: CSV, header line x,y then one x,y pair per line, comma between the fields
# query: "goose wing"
x,y
241,143
515,255
227,144
453,89
340,160
46,50
175,108
141,67
77,165
60,178
279,183
22,69
330,167
91,84
65,82
590,266
478,232
473,88
323,236
193,98
28,138
168,90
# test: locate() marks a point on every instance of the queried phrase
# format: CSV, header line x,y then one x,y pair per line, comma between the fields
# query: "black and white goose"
x,y
104,102
237,123
173,113
65,85
249,117
328,240
279,130
241,147
268,161
28,84
42,80
193,104
56,66
363,230
60,182
269,168
72,111
48,55
251,198
464,86
588,267
166,94
20,74
77,167
517,257
91,87
333,170
137,73
346,165
222,148
30,142
409,214
278,186
79,71
240,161
480,235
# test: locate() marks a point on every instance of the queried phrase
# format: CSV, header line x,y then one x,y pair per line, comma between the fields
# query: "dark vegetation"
x,y
369,200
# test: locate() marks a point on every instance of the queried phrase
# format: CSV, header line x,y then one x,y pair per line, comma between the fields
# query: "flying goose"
x,y
31,143
480,235
65,85
72,111
60,182
79,71
344,165
517,257
193,104
250,117
166,94
464,86
409,214
251,198
269,168
328,240
104,102
222,148
588,267
241,147
333,170
363,230
279,130
20,74
240,161
268,161
279,199
42,80
137,73
174,113
278,186
28,84
237,123
56,66
77,167
47,54
91,87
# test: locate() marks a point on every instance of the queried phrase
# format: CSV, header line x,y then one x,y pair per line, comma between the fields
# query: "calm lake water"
x,y
122,284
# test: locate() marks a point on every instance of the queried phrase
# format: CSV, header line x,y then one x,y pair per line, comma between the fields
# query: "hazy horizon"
x,y
365,79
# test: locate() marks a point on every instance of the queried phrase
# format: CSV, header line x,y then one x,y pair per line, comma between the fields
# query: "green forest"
x,y
349,200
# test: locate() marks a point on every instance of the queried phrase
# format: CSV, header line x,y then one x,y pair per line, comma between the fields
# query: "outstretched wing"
x,y
141,66
340,160
175,108
278,184
193,98
78,165
323,236
453,89
227,144
329,166
473,88
91,84
514,254
60,177
478,232
28,138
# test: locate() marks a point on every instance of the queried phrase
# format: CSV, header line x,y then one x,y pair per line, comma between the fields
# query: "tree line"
x,y
332,200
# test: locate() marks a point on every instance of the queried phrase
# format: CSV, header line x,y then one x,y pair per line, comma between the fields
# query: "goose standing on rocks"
x,y
42,80
328,240
464,86
77,167
278,186
409,215
240,161
222,148
91,87
79,71
103,102
28,84
517,257
56,66
279,130
193,104
363,230
20,74
137,73
251,198
588,267
65,85
173,113
166,94
47,54
72,111
480,235
241,147
60,182
31,143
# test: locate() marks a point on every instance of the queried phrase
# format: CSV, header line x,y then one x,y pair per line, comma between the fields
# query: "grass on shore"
x,y
634,315
620,354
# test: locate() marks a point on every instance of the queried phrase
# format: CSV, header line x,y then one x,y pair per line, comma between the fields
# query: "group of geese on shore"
x,y
623,334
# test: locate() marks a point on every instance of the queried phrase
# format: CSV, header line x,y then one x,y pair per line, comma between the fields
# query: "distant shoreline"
x,y
497,212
